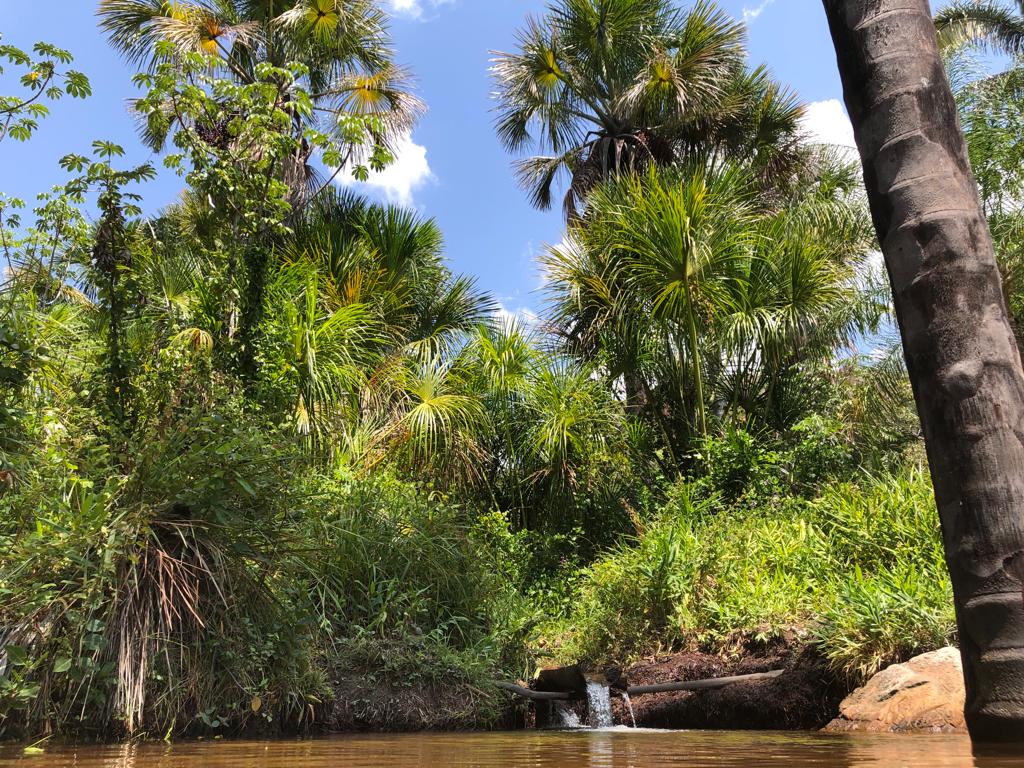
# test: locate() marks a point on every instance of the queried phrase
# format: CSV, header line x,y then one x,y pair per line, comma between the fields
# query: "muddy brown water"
x,y
537,749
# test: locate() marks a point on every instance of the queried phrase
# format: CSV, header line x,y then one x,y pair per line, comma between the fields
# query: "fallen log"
x,y
701,685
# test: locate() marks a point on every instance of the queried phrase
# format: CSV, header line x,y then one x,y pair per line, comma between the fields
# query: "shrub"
x,y
894,595
740,465
148,590
886,618
861,568
754,469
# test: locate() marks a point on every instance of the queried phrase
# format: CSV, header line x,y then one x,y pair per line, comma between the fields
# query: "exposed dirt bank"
x,y
363,704
806,696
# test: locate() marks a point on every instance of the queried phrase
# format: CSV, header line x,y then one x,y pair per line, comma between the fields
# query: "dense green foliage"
x,y
262,452
858,571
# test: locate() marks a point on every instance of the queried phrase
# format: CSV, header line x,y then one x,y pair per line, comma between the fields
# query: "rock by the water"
x,y
925,694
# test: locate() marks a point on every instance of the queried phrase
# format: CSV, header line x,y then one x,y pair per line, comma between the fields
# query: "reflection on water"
x,y
578,749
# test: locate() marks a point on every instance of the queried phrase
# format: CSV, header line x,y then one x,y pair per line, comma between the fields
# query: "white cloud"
x,y
826,122
523,316
751,14
410,7
402,178
415,8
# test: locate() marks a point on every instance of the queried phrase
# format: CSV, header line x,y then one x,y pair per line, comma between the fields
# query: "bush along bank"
x,y
264,601
390,610
831,588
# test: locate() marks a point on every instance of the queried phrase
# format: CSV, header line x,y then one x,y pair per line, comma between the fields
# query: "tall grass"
x,y
395,569
858,572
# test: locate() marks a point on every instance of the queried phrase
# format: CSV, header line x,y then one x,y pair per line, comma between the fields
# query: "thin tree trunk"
x,y
698,374
636,391
963,362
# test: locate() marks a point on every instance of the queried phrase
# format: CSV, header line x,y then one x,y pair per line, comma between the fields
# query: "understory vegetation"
x,y
857,572
267,464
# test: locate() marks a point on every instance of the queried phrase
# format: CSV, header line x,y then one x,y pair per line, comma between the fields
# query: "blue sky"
x,y
452,168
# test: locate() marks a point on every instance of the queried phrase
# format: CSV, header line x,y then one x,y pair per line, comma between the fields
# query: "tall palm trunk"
x,y
960,350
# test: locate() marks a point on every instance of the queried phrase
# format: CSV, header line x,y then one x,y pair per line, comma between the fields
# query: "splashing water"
x,y
567,717
629,708
599,705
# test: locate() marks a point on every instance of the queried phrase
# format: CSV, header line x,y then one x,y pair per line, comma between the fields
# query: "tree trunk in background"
x,y
963,362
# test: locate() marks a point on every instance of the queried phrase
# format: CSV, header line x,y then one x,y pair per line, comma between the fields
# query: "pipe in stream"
x,y
639,690
529,693
701,685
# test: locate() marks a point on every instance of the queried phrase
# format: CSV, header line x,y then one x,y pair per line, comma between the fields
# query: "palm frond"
x,y
987,24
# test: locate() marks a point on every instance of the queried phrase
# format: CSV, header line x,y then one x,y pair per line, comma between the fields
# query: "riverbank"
x,y
399,613
805,697
364,704
801,693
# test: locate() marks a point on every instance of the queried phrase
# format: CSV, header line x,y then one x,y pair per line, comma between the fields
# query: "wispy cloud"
x,y
399,181
521,316
751,14
415,9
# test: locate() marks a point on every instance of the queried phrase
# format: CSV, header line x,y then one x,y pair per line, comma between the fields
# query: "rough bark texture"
x,y
964,364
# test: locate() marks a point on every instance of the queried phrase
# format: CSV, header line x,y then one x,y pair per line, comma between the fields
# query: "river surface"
x,y
538,749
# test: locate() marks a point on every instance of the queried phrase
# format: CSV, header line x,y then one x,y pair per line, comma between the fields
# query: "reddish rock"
x,y
925,694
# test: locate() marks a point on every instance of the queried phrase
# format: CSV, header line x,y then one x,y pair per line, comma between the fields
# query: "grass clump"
x,y
417,598
857,572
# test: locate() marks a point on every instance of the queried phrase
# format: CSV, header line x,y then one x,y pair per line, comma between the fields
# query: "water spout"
x,y
567,717
629,708
599,705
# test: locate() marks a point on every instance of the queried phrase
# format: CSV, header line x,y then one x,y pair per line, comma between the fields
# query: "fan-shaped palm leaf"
x,y
441,420
612,86
445,320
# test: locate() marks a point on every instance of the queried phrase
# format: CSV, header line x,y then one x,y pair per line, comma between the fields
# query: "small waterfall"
x,y
629,708
566,716
599,705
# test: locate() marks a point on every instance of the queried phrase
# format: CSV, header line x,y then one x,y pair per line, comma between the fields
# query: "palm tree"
x,y
798,303
391,258
605,86
990,24
681,247
504,356
343,43
364,338
439,421
319,348
693,295
963,363
569,416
